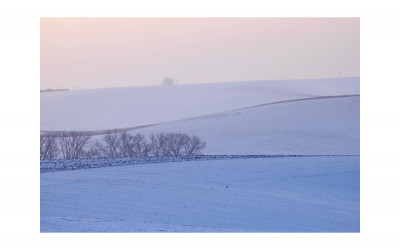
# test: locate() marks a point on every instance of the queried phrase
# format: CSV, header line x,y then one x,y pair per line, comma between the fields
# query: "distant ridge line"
x,y
298,100
118,130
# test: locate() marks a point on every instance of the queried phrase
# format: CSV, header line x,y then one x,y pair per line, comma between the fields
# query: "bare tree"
x,y
155,145
133,145
140,145
146,149
95,150
48,147
72,144
126,145
111,144
176,143
163,144
194,146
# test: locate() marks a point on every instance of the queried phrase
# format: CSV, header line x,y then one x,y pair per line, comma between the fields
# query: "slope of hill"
x,y
312,126
100,109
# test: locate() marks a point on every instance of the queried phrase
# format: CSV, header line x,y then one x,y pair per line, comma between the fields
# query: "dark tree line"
x,y
74,145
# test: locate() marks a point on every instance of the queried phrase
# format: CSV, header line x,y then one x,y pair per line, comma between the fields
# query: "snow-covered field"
x,y
285,194
313,126
100,109
304,194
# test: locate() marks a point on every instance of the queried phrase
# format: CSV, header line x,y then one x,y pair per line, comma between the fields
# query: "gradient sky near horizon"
x,y
85,53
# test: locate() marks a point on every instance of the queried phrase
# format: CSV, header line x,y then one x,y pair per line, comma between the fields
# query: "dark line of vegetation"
x,y
76,164
76,145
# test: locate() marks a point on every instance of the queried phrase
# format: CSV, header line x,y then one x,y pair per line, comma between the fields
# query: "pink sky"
x,y
83,53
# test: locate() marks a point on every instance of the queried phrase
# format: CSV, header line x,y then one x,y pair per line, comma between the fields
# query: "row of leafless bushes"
x,y
74,145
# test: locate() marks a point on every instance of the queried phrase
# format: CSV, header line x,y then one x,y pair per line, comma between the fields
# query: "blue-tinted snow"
x,y
293,194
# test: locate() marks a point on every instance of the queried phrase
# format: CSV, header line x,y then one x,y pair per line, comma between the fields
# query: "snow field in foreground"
x,y
307,194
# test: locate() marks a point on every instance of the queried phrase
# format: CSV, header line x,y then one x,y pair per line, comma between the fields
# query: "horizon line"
x,y
198,83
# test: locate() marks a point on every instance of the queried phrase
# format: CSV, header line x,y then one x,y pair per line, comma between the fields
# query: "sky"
x,y
86,53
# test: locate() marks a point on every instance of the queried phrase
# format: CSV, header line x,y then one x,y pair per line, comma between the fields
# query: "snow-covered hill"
x,y
286,194
312,126
100,109
305,194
